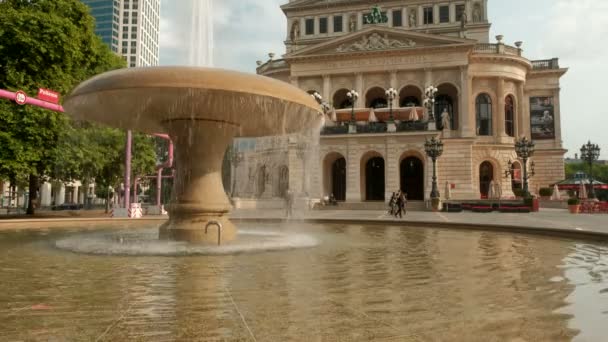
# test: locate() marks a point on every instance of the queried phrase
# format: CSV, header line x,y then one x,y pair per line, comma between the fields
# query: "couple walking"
x,y
398,204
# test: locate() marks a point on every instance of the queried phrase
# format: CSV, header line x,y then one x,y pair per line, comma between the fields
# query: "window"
x,y
428,15
310,26
509,116
459,12
322,25
124,51
338,23
444,14
483,106
397,18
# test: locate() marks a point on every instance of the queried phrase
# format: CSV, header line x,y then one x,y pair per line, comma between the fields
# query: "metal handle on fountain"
x,y
219,230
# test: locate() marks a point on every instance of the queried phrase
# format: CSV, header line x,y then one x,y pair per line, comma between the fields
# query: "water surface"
x,y
359,283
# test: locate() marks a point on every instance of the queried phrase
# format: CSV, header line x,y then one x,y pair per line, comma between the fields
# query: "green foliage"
x,y
44,44
574,201
528,201
546,192
600,172
518,192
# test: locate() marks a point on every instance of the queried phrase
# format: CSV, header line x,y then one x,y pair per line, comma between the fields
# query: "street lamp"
x,y
525,149
434,149
429,102
391,93
325,107
590,153
352,96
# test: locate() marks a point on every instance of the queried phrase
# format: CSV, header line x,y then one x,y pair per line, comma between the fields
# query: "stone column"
x,y
45,194
353,174
359,88
435,14
466,126
521,111
468,8
453,18
327,88
420,16
393,80
75,194
523,115
60,194
500,108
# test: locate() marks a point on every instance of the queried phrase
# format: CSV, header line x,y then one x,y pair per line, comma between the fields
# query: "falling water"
x,y
201,34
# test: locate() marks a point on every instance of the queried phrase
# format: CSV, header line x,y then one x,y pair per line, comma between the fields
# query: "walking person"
x,y
391,204
399,205
404,203
288,203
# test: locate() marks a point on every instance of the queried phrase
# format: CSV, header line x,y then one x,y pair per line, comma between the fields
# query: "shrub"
x,y
546,192
574,201
518,192
529,201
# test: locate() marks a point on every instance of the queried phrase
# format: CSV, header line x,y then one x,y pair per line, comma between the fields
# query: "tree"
x,y
49,44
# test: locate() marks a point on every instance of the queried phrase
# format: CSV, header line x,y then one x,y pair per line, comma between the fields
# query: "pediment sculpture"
x,y
376,42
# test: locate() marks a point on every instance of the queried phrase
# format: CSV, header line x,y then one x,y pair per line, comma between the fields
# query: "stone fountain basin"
x,y
143,99
202,110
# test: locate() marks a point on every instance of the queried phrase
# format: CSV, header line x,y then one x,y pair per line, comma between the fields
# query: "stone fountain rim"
x,y
183,77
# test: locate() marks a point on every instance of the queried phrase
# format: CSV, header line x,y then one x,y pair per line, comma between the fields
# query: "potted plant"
x,y
546,193
574,205
519,193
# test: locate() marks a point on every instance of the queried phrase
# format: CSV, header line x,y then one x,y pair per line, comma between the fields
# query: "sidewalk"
x,y
548,220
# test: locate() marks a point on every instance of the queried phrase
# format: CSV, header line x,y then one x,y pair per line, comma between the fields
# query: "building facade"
x,y
488,95
130,27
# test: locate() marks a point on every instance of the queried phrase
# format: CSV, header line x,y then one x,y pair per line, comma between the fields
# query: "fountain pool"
x,y
358,283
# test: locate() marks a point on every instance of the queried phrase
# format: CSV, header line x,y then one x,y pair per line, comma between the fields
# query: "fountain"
x,y
202,109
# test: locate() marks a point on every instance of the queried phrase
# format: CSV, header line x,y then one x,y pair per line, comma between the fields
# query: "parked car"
x,y
68,206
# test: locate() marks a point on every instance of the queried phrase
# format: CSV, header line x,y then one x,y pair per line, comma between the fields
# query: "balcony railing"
x,y
497,49
546,64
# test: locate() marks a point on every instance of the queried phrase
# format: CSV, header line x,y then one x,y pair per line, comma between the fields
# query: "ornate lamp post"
x,y
353,96
434,149
325,107
525,149
590,153
391,93
429,102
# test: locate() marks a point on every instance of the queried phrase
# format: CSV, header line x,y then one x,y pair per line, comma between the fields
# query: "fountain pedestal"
x,y
198,195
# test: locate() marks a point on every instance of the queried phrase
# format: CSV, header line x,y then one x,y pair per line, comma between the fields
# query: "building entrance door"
x,y
338,179
412,178
486,175
374,179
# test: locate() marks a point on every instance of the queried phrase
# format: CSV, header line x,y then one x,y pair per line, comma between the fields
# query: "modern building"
x,y
130,27
488,95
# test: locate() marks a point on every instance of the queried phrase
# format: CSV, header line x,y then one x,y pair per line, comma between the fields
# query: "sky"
x,y
575,31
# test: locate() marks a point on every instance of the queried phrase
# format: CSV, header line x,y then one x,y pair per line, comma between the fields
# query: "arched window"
x,y
410,96
375,98
340,100
509,116
483,106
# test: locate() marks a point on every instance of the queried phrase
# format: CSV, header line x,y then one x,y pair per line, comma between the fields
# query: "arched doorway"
x,y
283,181
374,179
338,179
376,98
412,178
486,176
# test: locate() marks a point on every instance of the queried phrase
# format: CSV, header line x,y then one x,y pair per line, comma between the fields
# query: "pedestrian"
x,y
392,203
399,205
404,203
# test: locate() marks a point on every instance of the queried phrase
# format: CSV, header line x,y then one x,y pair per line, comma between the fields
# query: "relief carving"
x,y
376,42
